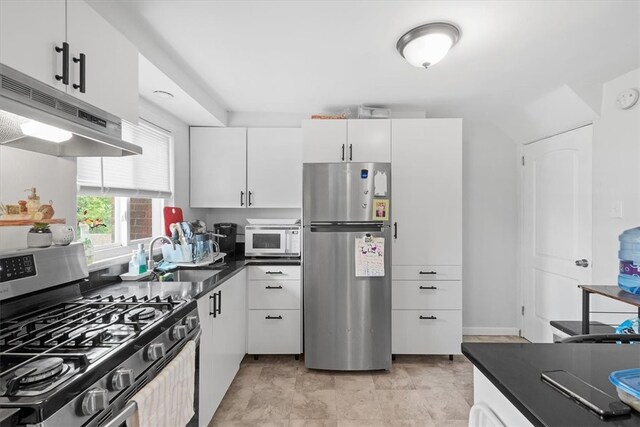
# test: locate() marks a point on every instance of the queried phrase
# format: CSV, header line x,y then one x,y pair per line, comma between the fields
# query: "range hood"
x,y
23,99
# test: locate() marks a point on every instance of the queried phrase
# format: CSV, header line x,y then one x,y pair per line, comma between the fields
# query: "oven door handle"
x,y
129,409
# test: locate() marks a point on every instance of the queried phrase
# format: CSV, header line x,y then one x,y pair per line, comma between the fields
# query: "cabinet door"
x,y
427,191
29,32
218,167
209,360
369,140
234,316
324,141
274,168
111,76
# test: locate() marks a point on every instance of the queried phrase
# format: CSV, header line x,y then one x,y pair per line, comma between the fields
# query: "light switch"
x,y
616,209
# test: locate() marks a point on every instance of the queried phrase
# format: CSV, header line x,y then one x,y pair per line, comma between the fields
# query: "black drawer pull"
x,y
428,272
273,287
428,287
273,272
82,61
215,311
428,317
65,63
273,317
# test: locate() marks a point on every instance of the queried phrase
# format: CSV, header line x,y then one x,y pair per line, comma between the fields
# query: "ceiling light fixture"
x,y
427,44
163,94
46,132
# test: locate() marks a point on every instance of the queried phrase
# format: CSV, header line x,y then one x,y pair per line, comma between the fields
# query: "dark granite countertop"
x,y
187,290
515,370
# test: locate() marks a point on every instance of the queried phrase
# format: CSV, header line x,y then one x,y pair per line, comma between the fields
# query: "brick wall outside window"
x,y
140,214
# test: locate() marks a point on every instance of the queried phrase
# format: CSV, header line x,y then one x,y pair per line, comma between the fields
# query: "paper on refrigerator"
x,y
369,256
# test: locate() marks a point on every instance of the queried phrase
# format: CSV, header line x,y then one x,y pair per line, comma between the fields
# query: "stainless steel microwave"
x,y
272,240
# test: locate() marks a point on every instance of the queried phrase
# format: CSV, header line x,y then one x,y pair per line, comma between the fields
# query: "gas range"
x,y
77,361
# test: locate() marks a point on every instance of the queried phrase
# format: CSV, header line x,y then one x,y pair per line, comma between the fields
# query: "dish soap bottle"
x,y
142,259
33,202
133,264
86,242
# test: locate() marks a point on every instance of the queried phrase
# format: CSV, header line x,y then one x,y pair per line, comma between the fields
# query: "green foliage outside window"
x,y
97,213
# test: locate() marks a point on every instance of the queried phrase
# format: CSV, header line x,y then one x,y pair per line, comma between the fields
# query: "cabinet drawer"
x,y
274,332
274,272
426,331
420,294
274,294
427,272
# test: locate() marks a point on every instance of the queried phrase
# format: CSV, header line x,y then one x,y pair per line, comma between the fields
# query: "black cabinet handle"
x,y
428,272
249,198
428,317
83,68
212,312
395,230
219,302
350,151
65,63
428,287
273,272
273,317
273,287
242,198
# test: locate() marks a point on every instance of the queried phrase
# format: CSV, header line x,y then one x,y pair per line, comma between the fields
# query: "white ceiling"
x,y
313,56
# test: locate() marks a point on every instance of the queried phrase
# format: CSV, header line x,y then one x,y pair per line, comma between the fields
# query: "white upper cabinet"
x,y
111,63
274,168
369,140
218,167
30,30
329,141
324,141
427,191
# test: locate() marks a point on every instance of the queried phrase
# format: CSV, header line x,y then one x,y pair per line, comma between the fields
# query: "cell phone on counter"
x,y
595,399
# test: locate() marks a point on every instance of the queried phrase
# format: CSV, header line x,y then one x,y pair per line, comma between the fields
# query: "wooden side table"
x,y
609,291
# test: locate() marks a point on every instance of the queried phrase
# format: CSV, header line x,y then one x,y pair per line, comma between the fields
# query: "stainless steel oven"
x,y
277,240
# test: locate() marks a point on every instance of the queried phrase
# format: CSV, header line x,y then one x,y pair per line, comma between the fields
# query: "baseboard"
x,y
489,331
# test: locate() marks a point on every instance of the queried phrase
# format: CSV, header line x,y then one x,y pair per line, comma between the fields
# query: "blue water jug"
x,y
629,255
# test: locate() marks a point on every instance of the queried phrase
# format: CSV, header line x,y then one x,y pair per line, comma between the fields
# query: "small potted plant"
x,y
39,236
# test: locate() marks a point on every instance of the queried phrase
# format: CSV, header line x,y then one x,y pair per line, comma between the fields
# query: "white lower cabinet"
x,y
223,321
275,323
426,331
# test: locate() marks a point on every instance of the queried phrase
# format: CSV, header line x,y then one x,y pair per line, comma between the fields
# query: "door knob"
x,y
582,263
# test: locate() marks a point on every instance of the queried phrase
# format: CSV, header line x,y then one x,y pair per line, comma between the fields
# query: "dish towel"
x,y
167,401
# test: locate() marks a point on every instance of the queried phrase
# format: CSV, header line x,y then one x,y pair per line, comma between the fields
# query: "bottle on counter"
x,y
86,242
142,259
133,264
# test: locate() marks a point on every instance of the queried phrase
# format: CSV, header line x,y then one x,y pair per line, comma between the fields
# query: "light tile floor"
x,y
424,391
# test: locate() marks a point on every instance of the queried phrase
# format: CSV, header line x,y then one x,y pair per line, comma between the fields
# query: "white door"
x,y
274,168
369,140
30,30
324,141
557,229
218,167
111,62
427,192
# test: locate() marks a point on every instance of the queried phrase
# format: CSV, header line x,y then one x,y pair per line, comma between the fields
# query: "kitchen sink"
x,y
195,276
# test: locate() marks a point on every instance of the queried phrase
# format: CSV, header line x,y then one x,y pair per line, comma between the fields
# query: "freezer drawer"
x,y
274,294
427,272
274,332
427,331
274,272
409,294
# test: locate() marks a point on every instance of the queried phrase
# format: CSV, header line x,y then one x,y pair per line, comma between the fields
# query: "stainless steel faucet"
x,y
151,264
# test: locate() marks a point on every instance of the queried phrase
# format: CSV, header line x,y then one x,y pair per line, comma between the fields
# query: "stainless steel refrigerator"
x,y
347,266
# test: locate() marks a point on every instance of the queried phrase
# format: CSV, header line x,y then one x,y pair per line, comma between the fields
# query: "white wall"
x,y
490,200
616,176
54,179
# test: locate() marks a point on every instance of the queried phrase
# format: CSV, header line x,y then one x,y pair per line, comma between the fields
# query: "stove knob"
x,y
122,378
95,401
178,332
191,322
155,351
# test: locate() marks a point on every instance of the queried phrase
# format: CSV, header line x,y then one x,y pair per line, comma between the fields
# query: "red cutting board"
x,y
171,216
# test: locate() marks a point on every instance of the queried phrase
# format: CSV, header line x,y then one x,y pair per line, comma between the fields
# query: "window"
x,y
120,199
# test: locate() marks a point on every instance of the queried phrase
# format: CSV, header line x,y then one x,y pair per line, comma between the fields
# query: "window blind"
x,y
145,175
